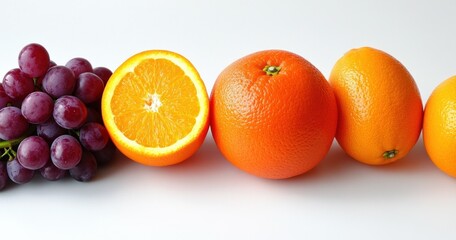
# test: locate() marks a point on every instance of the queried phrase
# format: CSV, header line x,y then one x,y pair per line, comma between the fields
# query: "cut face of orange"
x,y
155,107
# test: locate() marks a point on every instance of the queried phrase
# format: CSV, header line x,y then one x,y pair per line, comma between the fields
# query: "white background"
x,y
206,197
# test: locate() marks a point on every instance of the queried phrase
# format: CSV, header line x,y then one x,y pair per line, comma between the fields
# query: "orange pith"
x,y
155,107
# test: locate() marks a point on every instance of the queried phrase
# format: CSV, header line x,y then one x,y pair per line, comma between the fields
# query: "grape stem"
x,y
75,132
7,147
10,153
12,142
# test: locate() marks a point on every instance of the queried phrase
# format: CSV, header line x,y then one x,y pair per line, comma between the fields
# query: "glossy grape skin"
x,y
59,81
52,64
86,169
52,173
17,173
93,136
37,107
79,65
17,85
69,112
3,175
4,98
27,97
105,155
66,152
89,87
39,80
50,130
12,123
33,152
103,73
34,60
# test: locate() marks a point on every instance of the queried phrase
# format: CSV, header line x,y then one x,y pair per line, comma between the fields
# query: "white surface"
x,y
206,197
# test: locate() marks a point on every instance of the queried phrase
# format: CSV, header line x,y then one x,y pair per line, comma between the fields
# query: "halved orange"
x,y
155,107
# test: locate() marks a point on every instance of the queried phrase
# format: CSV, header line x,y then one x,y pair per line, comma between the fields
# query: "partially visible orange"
x,y
439,126
155,108
273,114
380,108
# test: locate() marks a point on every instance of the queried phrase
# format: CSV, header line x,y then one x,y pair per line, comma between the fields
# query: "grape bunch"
x,y
50,121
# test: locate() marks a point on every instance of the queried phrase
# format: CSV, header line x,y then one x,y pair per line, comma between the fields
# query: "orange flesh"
x,y
167,103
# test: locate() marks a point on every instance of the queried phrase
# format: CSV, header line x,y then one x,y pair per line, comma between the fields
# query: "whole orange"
x,y
439,126
273,114
380,108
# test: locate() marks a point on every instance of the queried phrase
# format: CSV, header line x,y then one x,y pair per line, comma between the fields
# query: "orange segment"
x,y
155,107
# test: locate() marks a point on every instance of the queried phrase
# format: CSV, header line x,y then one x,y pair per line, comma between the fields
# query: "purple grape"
x,y
50,130
93,136
79,65
4,98
17,173
66,152
93,116
37,107
89,87
86,168
39,80
17,84
12,123
52,64
69,112
59,81
105,155
103,73
33,152
3,175
51,172
34,60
